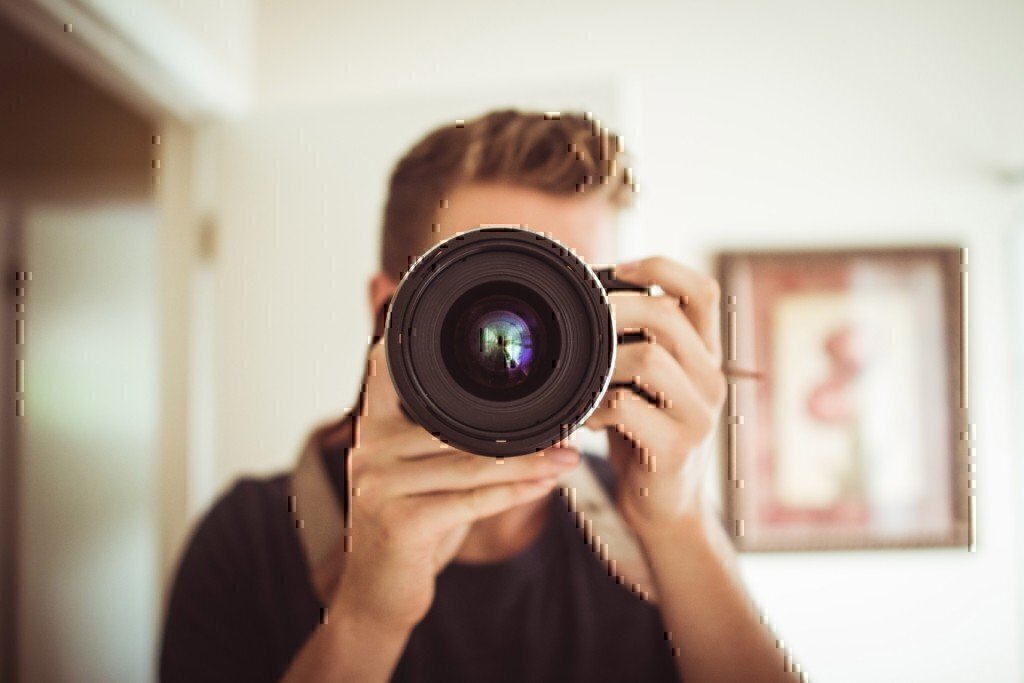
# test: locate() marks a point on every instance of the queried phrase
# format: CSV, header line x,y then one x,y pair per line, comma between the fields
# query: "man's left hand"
x,y
660,427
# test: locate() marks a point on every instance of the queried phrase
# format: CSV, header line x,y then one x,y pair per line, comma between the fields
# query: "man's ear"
x,y
380,290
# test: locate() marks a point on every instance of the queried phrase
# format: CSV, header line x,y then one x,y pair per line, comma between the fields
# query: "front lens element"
x,y
500,341
504,346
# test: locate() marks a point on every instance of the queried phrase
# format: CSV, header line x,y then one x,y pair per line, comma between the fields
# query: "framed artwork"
x,y
853,432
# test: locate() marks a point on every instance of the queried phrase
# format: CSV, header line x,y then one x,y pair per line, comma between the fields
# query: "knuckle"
x,y
392,521
368,480
721,390
357,465
471,468
646,356
658,264
413,526
667,305
371,487
533,463
473,500
711,291
702,421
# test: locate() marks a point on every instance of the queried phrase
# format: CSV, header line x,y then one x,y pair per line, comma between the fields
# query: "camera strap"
x,y
606,533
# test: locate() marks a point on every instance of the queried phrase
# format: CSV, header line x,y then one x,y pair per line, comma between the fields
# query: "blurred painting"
x,y
853,434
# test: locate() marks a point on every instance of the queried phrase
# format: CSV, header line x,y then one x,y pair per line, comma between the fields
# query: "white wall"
x,y
224,28
88,575
792,123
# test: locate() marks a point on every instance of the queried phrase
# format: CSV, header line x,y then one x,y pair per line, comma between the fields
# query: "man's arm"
x,y
347,648
668,396
411,501
713,626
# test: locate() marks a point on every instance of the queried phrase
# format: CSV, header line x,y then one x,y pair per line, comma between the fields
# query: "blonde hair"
x,y
562,154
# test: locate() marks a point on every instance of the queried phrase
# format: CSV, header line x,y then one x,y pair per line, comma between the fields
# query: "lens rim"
x,y
555,258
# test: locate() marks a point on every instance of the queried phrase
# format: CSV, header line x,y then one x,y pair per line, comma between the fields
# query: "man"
x,y
463,568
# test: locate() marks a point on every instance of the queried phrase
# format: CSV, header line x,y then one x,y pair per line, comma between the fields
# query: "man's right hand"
x,y
413,501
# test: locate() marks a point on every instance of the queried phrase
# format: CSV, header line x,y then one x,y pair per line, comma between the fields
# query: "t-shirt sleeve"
x,y
212,632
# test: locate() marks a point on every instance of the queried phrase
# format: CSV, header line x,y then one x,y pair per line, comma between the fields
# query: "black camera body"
x,y
501,341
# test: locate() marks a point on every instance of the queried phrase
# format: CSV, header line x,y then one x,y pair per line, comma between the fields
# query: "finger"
x,y
661,321
443,511
698,293
646,426
462,471
636,421
378,399
380,417
400,441
653,370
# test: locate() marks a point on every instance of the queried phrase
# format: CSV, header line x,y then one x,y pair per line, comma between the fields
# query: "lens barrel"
x,y
500,341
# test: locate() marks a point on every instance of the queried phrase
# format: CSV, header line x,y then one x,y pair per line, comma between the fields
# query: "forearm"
x,y
714,628
347,649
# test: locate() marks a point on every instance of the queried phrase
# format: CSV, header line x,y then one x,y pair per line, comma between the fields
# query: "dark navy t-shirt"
x,y
243,604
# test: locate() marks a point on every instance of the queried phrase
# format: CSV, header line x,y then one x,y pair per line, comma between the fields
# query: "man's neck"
x,y
504,535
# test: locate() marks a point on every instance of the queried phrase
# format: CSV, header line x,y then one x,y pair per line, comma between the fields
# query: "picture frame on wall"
x,y
854,435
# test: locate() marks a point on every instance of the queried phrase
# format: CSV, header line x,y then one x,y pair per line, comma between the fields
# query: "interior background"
x,y
784,124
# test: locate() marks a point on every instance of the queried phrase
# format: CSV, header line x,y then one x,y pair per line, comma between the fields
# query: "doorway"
x,y
79,581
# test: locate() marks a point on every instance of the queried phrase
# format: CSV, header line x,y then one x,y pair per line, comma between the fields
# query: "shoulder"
x,y
245,513
213,616
251,493
252,497
232,542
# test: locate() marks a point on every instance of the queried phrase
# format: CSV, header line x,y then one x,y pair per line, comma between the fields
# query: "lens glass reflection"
x,y
499,341
505,345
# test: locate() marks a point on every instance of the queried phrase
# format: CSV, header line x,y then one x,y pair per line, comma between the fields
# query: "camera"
x,y
501,341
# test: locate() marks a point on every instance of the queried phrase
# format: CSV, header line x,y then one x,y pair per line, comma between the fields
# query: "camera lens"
x,y
500,341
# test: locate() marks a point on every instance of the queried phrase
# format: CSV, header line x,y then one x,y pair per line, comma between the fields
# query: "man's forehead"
x,y
586,224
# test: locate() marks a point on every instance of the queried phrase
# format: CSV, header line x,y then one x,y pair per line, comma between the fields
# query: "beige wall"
x,y
89,583
789,124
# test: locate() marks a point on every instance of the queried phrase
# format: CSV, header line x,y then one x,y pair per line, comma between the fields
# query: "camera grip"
x,y
614,284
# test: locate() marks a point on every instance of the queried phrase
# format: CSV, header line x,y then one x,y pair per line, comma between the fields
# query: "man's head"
x,y
561,174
